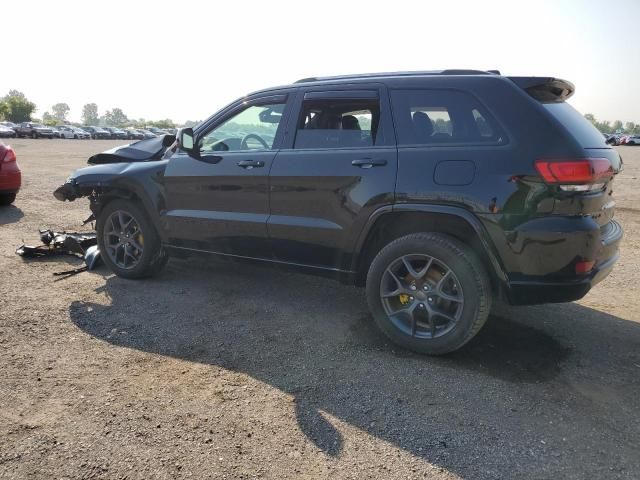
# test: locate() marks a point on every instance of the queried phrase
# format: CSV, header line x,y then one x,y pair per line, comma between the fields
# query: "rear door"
x,y
218,201
337,166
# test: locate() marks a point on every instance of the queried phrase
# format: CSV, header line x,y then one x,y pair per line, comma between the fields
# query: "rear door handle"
x,y
368,163
249,164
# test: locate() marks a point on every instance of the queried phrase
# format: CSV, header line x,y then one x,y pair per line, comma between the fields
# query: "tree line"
x,y
15,107
605,126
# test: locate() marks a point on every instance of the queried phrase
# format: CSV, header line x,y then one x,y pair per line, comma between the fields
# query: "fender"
x,y
143,180
459,212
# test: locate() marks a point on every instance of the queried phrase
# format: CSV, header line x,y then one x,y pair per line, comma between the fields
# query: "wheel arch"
x,y
389,223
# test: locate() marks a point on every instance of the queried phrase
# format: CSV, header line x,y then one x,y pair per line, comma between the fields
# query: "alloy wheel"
x,y
422,296
123,240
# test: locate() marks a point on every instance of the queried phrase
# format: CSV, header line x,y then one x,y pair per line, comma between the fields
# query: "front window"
x,y
254,128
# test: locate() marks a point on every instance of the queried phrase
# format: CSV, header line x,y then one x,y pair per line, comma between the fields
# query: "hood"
x,y
85,180
142,151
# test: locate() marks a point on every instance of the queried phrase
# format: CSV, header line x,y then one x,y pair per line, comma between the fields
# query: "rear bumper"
x,y
567,288
10,181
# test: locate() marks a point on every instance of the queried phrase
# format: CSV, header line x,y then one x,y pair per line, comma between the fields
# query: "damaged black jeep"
x,y
439,191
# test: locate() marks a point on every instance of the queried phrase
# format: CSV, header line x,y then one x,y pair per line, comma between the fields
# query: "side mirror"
x,y
187,142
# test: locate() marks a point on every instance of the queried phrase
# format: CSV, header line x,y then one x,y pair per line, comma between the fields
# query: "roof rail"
x,y
400,74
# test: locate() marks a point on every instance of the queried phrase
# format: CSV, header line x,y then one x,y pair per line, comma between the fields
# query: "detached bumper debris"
x,y
79,245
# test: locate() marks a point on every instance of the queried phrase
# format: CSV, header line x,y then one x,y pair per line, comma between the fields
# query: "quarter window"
x,y
254,128
442,117
337,124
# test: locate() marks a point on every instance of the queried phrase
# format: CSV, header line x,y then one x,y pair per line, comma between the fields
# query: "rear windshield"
x,y
582,129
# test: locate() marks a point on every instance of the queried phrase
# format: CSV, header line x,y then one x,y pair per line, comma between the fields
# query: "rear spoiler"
x,y
545,89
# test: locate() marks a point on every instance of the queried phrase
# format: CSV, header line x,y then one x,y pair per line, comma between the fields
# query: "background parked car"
x,y
634,140
34,130
56,132
157,131
78,133
116,133
7,131
10,177
147,133
9,124
65,131
97,132
133,134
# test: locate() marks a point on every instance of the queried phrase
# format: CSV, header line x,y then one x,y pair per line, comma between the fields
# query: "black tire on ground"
x,y
153,258
34,135
7,198
472,279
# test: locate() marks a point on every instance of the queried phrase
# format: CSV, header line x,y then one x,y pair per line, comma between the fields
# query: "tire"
x,y
469,291
153,257
7,199
34,135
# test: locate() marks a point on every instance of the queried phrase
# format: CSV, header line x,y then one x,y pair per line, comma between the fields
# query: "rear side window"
x,y
582,129
442,117
337,123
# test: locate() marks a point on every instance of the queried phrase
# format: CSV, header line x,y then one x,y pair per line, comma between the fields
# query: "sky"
x,y
185,60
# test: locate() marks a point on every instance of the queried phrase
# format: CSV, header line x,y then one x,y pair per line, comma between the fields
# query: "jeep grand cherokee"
x,y
437,191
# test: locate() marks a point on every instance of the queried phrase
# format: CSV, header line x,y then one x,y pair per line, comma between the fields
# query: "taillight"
x,y
576,175
9,155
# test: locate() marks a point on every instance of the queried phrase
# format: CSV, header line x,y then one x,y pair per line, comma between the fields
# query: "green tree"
x,y
49,119
630,127
18,108
115,118
4,110
90,114
60,112
617,125
166,123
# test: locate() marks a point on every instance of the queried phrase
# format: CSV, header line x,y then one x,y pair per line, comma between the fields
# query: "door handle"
x,y
249,164
368,163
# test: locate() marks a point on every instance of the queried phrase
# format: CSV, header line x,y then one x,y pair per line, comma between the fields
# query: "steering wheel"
x,y
243,143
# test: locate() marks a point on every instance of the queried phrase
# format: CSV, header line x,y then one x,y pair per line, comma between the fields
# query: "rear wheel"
x,y
34,135
428,293
128,241
7,198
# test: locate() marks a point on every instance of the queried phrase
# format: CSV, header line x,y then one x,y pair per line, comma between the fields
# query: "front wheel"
x,y
428,293
128,241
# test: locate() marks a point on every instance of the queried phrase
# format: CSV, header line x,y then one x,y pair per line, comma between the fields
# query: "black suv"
x,y
438,191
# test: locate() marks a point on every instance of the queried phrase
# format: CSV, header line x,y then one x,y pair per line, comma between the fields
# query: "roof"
x,y
377,76
399,74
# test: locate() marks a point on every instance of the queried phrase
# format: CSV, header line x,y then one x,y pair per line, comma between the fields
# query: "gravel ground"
x,y
232,371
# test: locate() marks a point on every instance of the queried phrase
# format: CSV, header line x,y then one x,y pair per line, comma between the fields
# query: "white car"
x,y
633,140
65,131
73,132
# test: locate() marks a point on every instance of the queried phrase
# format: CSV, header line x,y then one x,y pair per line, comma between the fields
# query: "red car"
x,y
10,178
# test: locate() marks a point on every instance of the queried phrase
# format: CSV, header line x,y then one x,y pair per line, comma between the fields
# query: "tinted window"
x,y
254,128
442,117
582,129
338,124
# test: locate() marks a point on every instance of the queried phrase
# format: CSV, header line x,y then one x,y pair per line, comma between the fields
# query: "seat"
x,y
349,122
422,127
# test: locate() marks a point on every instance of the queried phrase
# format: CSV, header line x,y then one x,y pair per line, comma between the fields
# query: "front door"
x,y
338,168
218,200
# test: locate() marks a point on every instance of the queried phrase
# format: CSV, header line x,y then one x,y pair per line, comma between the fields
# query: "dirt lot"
x,y
232,371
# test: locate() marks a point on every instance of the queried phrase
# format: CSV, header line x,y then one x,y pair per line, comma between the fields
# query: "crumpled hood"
x,y
141,151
